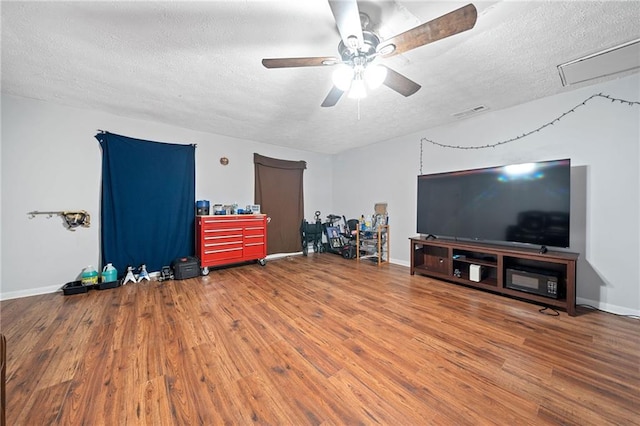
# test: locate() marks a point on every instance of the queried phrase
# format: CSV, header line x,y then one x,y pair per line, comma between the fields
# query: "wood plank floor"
x,y
316,340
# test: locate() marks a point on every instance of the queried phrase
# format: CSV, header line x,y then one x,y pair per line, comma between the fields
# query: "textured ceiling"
x,y
197,64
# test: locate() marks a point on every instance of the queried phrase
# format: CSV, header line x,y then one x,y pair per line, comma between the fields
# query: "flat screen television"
x,y
520,203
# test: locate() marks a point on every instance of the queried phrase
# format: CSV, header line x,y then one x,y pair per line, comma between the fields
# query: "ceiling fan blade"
x,y
333,97
316,61
455,22
347,16
400,83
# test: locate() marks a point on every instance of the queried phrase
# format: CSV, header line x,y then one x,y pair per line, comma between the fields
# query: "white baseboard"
x,y
608,307
29,292
400,262
281,255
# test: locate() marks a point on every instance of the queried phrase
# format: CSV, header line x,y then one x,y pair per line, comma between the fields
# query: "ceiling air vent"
x,y
470,111
625,57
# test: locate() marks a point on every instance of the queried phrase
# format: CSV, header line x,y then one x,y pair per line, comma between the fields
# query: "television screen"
x,y
520,203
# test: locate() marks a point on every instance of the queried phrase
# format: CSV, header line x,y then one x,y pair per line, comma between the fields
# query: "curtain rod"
x,y
195,145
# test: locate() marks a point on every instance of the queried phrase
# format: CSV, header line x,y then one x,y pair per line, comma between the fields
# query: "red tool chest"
x,y
227,239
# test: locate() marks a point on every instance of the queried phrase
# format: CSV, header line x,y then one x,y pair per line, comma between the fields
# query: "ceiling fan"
x,y
360,48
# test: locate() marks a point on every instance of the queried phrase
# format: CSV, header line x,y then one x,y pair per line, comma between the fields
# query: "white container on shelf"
x,y
475,273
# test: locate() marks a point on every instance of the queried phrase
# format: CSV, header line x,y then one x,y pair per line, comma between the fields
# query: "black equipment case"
x,y
185,267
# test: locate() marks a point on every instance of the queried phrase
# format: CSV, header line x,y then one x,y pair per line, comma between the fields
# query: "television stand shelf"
x,y
487,267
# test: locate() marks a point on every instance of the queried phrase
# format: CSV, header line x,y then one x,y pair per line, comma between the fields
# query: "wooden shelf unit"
x,y
450,260
373,244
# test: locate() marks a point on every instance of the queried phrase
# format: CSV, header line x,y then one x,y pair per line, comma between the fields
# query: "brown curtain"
x,y
278,190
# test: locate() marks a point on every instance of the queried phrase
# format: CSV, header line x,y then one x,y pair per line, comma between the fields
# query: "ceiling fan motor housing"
x,y
366,51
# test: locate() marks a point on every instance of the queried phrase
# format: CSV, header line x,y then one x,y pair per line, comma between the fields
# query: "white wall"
x,y
601,138
51,161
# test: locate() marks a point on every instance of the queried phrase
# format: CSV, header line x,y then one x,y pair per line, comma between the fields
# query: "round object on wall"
x,y
224,161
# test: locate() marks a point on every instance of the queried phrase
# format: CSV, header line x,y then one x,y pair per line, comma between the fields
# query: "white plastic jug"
x,y
109,273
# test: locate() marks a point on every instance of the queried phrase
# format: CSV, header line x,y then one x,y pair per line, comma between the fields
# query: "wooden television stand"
x,y
452,261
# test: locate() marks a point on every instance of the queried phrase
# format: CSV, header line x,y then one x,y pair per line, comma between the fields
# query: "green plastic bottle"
x,y
109,273
89,276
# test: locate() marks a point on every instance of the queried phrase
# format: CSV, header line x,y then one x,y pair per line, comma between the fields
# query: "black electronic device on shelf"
x,y
535,281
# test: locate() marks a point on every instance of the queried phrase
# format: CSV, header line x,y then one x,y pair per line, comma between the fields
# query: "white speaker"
x,y
475,273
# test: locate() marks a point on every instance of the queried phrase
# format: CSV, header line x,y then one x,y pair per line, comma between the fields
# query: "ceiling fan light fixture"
x,y
360,46
342,77
375,75
358,89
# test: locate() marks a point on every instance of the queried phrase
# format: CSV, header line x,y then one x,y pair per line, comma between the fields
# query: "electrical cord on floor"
x,y
554,313
593,308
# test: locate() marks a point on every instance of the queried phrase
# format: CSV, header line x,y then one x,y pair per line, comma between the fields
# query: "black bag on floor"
x,y
185,267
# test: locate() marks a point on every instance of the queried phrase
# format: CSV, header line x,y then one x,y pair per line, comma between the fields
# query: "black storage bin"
x,y
74,287
108,284
185,267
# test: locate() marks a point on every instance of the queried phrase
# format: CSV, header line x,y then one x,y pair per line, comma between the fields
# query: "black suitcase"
x,y
185,267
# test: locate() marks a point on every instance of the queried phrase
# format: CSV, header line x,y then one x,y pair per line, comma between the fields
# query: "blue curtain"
x,y
148,196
